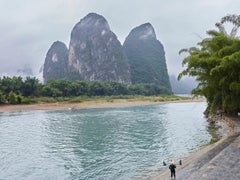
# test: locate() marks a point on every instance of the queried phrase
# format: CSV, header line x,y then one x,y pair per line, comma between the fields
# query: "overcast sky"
x,y
29,27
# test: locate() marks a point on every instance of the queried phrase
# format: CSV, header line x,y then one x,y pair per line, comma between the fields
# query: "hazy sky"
x,y
29,27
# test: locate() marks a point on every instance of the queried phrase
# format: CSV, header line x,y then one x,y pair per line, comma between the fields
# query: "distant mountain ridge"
x,y
184,86
146,56
95,54
56,61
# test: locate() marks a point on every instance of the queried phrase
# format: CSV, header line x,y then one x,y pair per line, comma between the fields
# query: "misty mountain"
x,y
95,53
184,86
56,61
146,57
24,72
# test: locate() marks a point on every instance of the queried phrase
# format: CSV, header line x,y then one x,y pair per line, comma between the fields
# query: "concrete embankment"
x,y
218,161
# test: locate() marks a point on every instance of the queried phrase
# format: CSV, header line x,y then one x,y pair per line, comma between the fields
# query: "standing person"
x,y
172,168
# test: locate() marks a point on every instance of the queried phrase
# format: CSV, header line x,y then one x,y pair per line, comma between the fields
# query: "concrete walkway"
x,y
225,165
219,161
222,162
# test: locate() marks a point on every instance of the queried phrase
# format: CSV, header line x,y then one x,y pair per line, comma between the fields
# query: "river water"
x,y
115,143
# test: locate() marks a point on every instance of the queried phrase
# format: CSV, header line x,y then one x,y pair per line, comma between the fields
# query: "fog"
x,y
29,27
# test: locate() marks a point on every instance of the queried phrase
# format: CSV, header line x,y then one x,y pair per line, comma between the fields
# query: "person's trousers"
x,y
172,173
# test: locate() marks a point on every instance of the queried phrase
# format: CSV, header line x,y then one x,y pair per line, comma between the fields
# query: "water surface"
x,y
115,143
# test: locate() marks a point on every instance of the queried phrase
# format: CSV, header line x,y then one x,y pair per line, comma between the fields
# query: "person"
x,y
164,163
172,168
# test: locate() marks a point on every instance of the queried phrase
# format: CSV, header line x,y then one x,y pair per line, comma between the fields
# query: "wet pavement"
x,y
219,161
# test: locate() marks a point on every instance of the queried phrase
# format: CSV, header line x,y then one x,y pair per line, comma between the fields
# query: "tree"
x,y
2,98
8,84
12,98
31,87
118,88
49,91
98,88
215,63
80,88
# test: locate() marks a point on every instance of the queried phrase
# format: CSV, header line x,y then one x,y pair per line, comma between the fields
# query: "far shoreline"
x,y
89,105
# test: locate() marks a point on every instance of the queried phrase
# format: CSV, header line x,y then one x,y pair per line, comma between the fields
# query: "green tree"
x,y
215,63
63,85
49,91
8,84
2,98
98,88
12,98
80,88
118,88
31,87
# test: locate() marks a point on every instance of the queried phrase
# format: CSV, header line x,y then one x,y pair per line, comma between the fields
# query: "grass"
x,y
99,99
212,129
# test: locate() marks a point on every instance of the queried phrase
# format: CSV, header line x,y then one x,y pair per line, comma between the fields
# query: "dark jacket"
x,y
172,167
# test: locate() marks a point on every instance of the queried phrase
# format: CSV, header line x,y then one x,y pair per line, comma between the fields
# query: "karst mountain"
x,y
96,54
146,57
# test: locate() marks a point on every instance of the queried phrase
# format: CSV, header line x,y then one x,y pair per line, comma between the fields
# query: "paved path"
x,y
220,161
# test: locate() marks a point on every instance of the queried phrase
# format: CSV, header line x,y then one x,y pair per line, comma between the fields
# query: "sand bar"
x,y
85,105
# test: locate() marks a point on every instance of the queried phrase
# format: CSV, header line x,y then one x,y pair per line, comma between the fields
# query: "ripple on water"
x,y
116,143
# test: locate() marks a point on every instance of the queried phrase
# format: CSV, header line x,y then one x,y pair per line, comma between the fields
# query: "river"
x,y
113,143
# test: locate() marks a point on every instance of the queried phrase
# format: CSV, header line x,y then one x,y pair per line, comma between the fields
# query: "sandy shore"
x,y
220,160
85,105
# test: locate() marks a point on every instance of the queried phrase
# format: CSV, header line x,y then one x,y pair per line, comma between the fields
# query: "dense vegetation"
x,y
216,65
15,90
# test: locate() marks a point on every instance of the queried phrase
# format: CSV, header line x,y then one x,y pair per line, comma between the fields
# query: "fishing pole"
x,y
165,164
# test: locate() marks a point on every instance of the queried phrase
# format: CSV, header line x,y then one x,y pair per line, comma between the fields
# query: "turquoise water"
x,y
115,143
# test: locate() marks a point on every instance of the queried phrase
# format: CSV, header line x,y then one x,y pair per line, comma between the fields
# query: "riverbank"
x,y
112,143
220,160
90,104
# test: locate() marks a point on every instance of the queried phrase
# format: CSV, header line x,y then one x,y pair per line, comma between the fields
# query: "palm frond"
x,y
221,28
